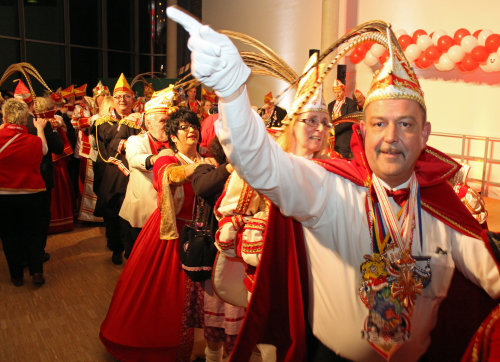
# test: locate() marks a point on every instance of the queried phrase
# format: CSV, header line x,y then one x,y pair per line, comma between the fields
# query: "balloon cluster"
x,y
462,50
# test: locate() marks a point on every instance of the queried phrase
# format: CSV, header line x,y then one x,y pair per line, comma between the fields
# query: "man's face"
x,y
191,93
394,136
338,94
148,93
123,103
99,100
156,126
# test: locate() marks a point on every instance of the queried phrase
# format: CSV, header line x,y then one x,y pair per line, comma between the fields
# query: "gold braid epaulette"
x,y
105,119
130,123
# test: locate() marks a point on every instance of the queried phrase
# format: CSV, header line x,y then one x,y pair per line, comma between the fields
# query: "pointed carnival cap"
x,y
316,102
100,90
338,85
395,80
268,97
22,92
162,102
68,92
81,90
209,96
122,86
57,98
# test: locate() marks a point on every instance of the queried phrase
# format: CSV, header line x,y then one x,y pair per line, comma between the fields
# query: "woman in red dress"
x,y
147,319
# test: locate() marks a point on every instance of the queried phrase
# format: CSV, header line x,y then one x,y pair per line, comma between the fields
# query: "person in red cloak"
x,y
354,228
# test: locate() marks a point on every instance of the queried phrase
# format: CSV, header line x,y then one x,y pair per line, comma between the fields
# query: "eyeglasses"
x,y
184,127
124,96
314,122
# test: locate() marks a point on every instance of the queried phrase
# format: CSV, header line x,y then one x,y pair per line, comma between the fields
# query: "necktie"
x,y
399,196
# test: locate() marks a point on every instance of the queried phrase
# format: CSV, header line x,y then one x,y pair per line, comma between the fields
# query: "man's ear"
x,y
426,132
362,128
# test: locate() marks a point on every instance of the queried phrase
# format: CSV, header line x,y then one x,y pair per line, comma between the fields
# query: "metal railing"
x,y
485,159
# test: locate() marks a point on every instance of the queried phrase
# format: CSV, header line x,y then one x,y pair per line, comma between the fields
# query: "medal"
x,y
390,278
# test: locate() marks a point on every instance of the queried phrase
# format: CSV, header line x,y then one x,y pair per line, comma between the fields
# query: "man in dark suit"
x,y
342,105
271,113
55,145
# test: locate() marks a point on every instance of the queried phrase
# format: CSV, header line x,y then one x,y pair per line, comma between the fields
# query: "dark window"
x,y
9,24
120,63
49,61
85,24
86,65
120,25
44,20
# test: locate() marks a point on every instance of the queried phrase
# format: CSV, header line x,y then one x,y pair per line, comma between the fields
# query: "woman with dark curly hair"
x,y
147,316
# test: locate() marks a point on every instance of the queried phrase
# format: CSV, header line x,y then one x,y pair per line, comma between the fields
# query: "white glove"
x,y
215,61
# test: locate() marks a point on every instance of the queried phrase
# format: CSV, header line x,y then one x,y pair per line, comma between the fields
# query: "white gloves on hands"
x,y
215,61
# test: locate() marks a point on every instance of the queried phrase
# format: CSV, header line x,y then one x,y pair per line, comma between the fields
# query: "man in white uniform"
x,y
142,151
377,271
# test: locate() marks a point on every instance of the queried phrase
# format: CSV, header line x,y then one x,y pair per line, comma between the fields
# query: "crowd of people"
x,y
332,234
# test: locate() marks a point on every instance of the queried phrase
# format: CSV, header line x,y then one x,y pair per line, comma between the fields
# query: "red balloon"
x,y
459,34
444,43
476,33
432,53
469,64
423,62
405,40
367,45
417,33
360,50
479,53
492,43
355,58
383,58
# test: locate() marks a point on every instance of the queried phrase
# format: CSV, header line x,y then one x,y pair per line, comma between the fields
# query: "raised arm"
x,y
293,183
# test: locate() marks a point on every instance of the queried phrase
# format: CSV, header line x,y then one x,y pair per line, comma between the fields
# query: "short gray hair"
x,y
15,111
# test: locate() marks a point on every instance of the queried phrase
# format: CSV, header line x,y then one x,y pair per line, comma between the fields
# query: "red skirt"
x,y
144,320
61,207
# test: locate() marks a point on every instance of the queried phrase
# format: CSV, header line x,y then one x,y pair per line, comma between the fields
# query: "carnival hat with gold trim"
x,y
81,90
122,86
162,102
338,85
68,92
100,90
395,80
268,97
304,101
57,98
22,92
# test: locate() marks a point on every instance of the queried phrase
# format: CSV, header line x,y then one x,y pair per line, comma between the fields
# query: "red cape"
x,y
277,313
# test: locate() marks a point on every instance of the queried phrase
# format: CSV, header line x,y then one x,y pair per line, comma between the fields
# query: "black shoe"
x,y
38,279
116,258
45,257
18,282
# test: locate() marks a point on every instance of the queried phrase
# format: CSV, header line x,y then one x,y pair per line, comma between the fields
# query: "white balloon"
x,y
456,54
377,50
445,63
400,32
483,35
437,34
412,52
493,62
423,42
370,59
468,43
